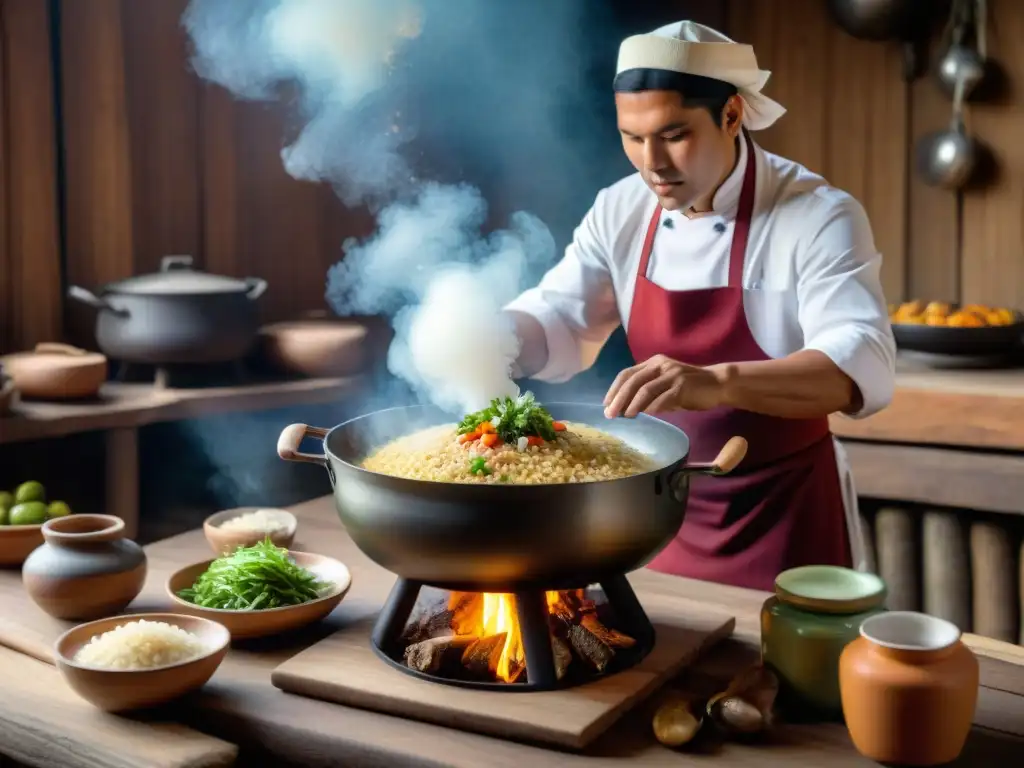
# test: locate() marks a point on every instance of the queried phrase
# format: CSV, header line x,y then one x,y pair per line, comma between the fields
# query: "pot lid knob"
x,y
167,263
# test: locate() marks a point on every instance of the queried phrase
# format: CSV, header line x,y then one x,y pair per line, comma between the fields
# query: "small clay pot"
x,y
54,371
909,687
85,568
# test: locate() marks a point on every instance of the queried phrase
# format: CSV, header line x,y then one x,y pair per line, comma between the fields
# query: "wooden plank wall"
x,y
159,163
30,261
854,119
156,162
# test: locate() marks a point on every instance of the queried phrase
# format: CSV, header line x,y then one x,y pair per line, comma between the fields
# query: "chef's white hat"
x,y
694,49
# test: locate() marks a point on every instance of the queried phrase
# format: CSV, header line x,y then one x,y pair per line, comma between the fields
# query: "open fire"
x,y
477,636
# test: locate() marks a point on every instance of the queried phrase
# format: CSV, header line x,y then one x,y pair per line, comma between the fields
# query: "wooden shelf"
x,y
963,408
122,406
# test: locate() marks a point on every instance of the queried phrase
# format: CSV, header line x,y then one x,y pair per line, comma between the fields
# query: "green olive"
x,y
57,509
5,515
28,513
6,499
30,491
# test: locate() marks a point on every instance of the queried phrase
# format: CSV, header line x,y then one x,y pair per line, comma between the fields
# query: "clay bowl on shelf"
x,y
53,371
17,542
224,541
121,690
245,625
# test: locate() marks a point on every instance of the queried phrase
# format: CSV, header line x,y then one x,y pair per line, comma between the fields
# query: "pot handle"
x,y
291,438
726,461
91,299
257,287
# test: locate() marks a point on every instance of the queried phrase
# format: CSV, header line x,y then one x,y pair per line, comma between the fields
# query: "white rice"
x,y
263,520
140,644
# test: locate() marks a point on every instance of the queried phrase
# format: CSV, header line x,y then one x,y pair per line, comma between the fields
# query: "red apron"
x,y
783,506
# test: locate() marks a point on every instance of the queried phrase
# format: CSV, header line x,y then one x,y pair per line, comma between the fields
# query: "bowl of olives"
x,y
22,514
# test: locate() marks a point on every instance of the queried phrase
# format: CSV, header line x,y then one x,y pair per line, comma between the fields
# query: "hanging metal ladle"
x,y
961,61
947,159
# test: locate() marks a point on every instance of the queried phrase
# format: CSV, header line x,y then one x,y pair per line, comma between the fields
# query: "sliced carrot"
x,y
490,439
486,428
469,437
558,426
534,440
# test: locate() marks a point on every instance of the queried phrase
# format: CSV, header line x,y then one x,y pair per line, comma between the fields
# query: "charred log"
x,y
606,635
563,656
482,654
437,653
590,647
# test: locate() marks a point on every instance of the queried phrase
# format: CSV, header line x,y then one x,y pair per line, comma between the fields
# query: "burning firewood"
x,y
608,636
590,647
563,656
482,654
432,654
440,621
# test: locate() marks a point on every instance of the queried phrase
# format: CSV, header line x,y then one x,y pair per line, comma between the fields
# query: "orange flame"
x,y
494,614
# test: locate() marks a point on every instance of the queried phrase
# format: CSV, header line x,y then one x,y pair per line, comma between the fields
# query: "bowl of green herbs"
x,y
261,590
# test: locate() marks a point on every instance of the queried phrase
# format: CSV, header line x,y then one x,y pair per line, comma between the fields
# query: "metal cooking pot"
x,y
502,538
176,316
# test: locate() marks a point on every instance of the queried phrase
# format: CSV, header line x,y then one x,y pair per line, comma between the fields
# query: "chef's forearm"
x,y
533,345
806,384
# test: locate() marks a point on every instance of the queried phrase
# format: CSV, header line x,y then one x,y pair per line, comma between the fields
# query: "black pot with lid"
x,y
179,315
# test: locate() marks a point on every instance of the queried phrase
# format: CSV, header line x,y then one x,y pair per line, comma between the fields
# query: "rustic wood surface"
x,y
134,405
956,408
44,723
241,705
344,668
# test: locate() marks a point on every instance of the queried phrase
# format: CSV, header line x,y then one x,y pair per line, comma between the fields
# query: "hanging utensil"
x,y
962,62
909,21
948,158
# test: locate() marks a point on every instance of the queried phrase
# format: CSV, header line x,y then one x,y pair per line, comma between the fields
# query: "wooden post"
x,y
122,477
896,540
947,573
992,576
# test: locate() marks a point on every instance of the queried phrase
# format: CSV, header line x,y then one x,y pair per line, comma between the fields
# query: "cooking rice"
x,y
140,645
578,454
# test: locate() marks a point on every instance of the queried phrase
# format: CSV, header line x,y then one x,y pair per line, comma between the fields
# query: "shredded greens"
x,y
513,418
254,578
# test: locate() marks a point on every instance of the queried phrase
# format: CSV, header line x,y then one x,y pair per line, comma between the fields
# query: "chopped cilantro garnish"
x,y
513,418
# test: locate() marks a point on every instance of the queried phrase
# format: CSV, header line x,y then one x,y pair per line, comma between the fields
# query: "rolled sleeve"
x,y
843,311
574,302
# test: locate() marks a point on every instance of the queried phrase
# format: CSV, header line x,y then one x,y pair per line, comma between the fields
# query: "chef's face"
x,y
682,152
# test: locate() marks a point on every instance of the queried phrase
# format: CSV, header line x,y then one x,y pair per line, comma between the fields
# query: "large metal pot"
x,y
502,538
176,316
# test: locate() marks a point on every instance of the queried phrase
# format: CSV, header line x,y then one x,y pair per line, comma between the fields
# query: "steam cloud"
x,y
358,65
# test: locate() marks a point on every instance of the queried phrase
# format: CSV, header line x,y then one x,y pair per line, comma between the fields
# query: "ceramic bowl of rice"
x,y
141,660
230,529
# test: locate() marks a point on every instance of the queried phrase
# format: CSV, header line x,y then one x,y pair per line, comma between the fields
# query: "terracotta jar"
x,y
815,612
909,687
85,569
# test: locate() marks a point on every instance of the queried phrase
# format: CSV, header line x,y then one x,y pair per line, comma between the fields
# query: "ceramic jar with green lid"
x,y
815,611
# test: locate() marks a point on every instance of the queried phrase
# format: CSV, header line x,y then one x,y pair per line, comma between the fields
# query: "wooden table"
x,y
239,706
950,438
122,409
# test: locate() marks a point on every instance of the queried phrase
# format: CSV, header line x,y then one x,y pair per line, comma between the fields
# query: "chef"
x,y
749,291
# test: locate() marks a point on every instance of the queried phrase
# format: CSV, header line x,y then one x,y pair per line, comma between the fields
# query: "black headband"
x,y
690,86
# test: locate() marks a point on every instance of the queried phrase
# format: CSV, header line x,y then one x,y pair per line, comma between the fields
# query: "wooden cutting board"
x,y
343,668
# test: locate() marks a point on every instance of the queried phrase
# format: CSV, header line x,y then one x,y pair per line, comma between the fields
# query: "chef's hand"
x,y
661,384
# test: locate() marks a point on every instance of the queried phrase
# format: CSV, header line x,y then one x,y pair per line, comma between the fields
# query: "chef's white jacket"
x,y
810,279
